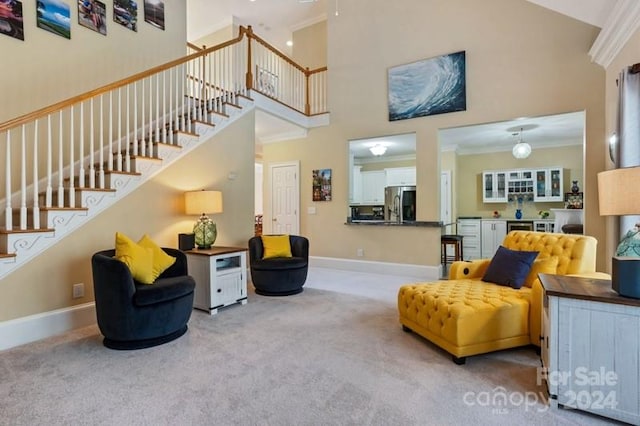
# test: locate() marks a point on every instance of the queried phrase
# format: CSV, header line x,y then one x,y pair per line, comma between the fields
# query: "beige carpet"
x,y
318,358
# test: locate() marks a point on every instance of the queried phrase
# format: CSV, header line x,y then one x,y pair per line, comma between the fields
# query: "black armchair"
x,y
132,315
280,276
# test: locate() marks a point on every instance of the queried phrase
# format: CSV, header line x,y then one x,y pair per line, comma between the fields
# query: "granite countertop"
x,y
416,223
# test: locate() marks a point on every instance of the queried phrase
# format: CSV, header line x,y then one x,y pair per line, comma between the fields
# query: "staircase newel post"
x,y
307,106
249,81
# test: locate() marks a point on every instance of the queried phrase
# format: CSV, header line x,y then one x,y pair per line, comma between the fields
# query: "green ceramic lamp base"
x,y
205,232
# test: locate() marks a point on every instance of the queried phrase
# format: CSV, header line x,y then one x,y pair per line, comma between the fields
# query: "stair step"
x,y
7,255
14,230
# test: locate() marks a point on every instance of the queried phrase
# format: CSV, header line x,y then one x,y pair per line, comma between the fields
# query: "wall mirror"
x,y
378,162
465,152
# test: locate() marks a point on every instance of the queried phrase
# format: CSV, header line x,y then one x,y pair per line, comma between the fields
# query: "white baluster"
x,y
60,164
127,156
81,169
119,135
157,119
92,170
49,190
8,214
164,107
101,152
143,145
36,206
23,180
110,138
72,172
135,118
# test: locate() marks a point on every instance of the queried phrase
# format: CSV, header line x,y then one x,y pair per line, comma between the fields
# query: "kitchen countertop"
x,y
510,219
417,223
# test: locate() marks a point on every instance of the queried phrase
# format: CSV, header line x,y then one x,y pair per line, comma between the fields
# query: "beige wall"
x,y
310,46
46,68
217,37
469,178
156,208
629,55
529,62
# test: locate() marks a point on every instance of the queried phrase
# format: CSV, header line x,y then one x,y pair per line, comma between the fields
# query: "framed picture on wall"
x,y
11,19
321,185
573,200
154,13
93,15
54,16
125,13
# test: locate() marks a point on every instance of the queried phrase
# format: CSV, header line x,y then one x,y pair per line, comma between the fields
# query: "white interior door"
x,y
285,198
446,205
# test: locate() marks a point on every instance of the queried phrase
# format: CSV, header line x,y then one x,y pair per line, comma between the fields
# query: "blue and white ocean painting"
x,y
428,87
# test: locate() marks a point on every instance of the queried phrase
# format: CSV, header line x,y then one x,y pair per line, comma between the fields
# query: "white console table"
x,y
220,274
567,216
589,347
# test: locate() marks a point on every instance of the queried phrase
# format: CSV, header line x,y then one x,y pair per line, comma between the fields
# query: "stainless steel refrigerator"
x,y
400,203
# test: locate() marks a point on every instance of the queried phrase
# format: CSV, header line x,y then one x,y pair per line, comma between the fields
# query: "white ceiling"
x,y
276,20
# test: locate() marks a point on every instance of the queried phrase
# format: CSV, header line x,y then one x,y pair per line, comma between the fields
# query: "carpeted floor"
x,y
322,357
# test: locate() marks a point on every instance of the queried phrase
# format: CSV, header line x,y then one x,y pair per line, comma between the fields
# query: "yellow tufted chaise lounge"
x,y
466,316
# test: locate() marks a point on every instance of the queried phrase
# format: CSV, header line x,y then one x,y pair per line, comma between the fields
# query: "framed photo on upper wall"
x,y
125,13
93,14
154,13
11,19
54,16
428,87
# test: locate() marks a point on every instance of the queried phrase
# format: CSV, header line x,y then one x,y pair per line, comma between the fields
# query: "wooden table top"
x,y
598,290
216,250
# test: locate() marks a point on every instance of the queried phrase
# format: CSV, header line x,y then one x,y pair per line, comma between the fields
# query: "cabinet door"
x,y
494,187
548,185
401,176
228,287
493,233
356,185
373,183
470,230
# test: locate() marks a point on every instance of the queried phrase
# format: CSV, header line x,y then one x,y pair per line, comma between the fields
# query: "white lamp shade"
x,y
521,150
619,192
203,202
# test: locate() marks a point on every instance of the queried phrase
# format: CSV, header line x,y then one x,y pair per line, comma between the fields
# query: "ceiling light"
x,y
521,149
289,43
378,150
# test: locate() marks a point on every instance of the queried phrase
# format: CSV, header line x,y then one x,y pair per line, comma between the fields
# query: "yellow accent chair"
x,y
466,316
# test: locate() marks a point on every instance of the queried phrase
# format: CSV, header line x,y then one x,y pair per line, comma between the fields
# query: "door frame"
x,y
272,166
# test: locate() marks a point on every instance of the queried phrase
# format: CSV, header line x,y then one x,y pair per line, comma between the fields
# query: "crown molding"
x,y
308,22
622,23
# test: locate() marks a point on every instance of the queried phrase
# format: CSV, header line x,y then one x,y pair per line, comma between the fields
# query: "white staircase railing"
x,y
56,157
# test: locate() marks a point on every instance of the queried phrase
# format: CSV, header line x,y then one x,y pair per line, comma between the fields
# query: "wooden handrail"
x,y
284,57
194,47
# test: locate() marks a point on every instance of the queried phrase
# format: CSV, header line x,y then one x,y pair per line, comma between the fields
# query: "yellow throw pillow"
x,y
276,246
139,259
161,260
541,266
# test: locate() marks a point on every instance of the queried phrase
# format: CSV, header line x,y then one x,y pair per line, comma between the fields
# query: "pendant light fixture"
x,y
378,150
522,149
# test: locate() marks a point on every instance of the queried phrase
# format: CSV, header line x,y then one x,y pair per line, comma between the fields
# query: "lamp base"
x,y
625,276
205,232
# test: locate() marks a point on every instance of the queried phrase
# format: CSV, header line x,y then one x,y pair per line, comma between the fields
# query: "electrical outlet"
x,y
78,290
360,252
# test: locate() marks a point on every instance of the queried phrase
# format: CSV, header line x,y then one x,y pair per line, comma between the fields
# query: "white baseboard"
x,y
422,272
28,329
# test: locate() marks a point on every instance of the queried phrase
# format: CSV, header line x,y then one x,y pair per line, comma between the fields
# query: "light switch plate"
x,y
311,210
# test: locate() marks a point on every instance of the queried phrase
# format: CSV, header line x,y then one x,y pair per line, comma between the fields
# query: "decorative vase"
x,y
574,188
518,214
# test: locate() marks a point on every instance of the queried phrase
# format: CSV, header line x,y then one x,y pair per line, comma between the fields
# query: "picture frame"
x,y
428,87
154,13
321,187
573,200
11,21
92,14
54,16
125,13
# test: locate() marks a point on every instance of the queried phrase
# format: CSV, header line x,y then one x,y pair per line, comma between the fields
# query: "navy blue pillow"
x,y
509,267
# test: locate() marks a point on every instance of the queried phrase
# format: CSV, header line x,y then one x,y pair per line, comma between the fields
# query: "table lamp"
x,y
203,202
619,195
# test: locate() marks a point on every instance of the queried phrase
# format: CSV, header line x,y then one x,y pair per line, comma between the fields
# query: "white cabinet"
x,y
220,274
589,347
401,176
373,183
543,225
494,186
493,233
548,185
520,182
470,230
356,186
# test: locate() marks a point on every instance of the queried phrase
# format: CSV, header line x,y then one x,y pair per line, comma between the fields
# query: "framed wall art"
x,y
54,16
428,87
573,200
154,13
125,13
11,19
93,15
322,185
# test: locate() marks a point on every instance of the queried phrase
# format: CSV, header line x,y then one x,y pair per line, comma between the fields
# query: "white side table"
x,y
220,274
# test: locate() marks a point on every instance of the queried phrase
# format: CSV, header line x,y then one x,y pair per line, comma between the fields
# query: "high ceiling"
x,y
276,20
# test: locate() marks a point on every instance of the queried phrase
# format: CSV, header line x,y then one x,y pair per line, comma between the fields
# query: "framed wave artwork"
x,y
428,87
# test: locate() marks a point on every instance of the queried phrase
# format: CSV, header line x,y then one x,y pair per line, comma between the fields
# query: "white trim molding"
x,y
28,329
420,272
622,23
